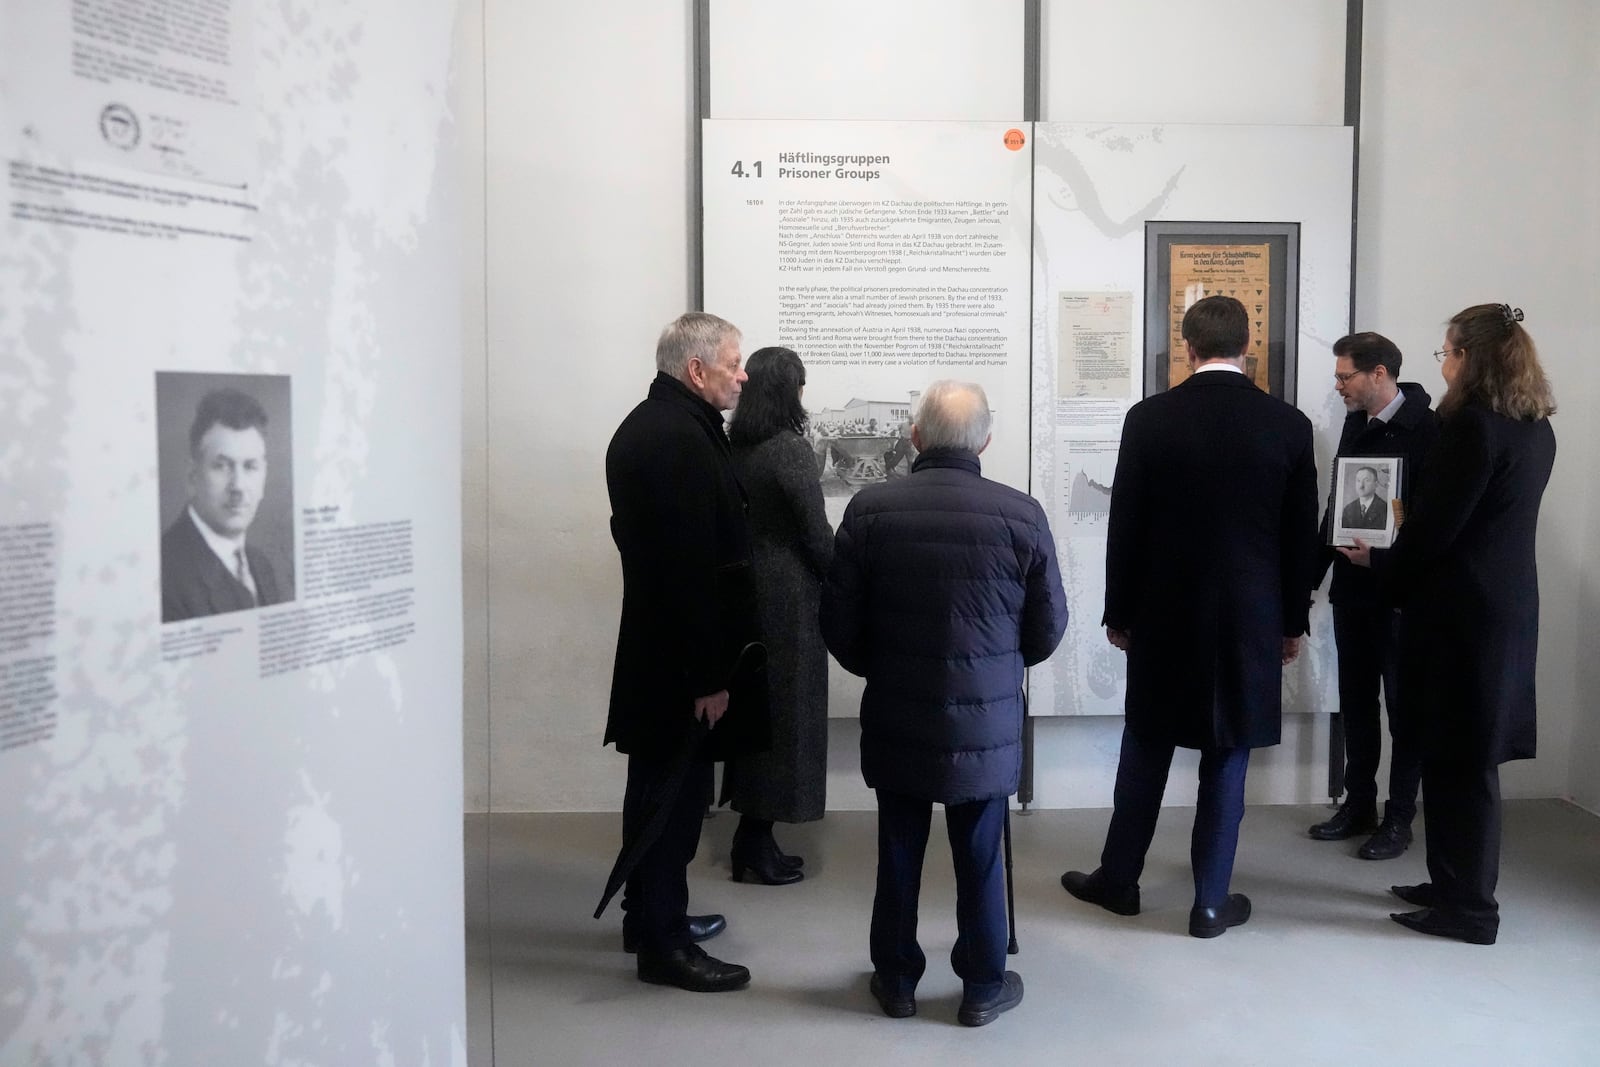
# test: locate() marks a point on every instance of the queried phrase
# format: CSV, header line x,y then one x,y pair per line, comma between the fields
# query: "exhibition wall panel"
x,y
1096,190
891,254
220,776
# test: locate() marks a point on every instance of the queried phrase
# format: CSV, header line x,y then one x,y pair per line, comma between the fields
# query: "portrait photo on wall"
x,y
1364,507
226,484
1256,263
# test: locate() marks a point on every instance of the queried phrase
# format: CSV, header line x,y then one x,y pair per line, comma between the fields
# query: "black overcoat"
x,y
1210,556
1464,575
195,584
688,601
792,545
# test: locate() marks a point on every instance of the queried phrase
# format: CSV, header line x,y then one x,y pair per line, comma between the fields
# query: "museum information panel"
x,y
888,255
230,614
1132,225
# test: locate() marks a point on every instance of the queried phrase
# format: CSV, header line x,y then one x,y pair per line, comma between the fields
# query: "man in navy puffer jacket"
x,y
944,586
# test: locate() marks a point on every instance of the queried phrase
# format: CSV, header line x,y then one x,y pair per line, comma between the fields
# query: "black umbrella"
x,y
748,669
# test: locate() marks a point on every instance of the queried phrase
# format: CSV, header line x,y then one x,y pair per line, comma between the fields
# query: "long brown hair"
x,y
1499,365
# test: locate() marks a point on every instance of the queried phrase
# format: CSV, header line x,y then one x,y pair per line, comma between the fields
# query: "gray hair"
x,y
690,335
953,415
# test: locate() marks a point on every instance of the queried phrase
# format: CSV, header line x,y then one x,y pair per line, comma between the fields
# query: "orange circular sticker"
x,y
1015,140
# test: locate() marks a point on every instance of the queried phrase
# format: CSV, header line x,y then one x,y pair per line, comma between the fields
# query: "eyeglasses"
x,y
1443,352
1343,378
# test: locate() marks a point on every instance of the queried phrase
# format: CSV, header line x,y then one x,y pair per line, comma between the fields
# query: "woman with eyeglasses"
x,y
793,546
1464,574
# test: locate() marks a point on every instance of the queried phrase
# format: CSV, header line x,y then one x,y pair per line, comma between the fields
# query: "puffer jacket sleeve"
x,y
844,608
1044,609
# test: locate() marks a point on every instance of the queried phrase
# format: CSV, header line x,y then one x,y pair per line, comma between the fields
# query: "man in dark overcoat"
x,y
944,586
688,612
1386,417
1209,560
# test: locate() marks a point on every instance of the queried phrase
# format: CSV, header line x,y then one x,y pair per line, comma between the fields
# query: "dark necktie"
x,y
242,573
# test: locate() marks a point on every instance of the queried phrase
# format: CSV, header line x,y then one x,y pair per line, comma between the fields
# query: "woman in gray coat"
x,y
793,546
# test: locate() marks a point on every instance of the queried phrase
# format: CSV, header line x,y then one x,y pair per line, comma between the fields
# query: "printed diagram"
x,y
1087,498
1087,473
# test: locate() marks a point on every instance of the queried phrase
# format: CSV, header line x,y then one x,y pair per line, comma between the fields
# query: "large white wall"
x,y
1478,179
588,133
588,218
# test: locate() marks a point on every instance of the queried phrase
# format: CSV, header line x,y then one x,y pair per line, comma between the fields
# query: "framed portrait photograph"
x,y
1366,489
225,472
1257,263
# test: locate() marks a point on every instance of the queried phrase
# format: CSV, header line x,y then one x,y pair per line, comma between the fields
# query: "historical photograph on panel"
x,y
1256,263
1367,489
862,441
226,468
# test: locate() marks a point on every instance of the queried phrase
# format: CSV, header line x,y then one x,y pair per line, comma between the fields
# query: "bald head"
x,y
952,415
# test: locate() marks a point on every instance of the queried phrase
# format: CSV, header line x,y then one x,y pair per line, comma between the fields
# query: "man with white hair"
x,y
688,612
944,586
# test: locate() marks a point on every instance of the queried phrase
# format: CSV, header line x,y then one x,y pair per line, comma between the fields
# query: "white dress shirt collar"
x,y
228,550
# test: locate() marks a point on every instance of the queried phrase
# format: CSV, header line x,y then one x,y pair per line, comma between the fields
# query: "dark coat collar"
x,y
668,388
961,459
1412,412
1227,379
1415,408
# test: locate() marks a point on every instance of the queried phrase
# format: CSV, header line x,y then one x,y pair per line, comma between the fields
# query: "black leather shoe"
x,y
984,1012
1094,889
1212,922
896,1006
1421,896
763,866
690,968
794,863
1443,924
1391,840
1346,822
701,928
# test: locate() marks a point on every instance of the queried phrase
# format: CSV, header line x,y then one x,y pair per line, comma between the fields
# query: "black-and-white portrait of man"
x,y
1367,509
211,561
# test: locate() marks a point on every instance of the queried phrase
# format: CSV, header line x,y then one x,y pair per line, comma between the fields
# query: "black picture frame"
x,y
1283,243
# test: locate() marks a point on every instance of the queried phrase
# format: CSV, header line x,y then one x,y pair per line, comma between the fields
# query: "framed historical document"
x,y
1366,490
1258,263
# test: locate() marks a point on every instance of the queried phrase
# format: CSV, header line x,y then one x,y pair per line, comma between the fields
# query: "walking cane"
x,y
1011,895
1011,892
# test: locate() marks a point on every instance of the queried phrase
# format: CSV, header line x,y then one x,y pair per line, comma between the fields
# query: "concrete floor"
x,y
1318,976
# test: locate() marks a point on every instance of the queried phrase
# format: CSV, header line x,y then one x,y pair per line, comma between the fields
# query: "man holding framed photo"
x,y
1391,419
